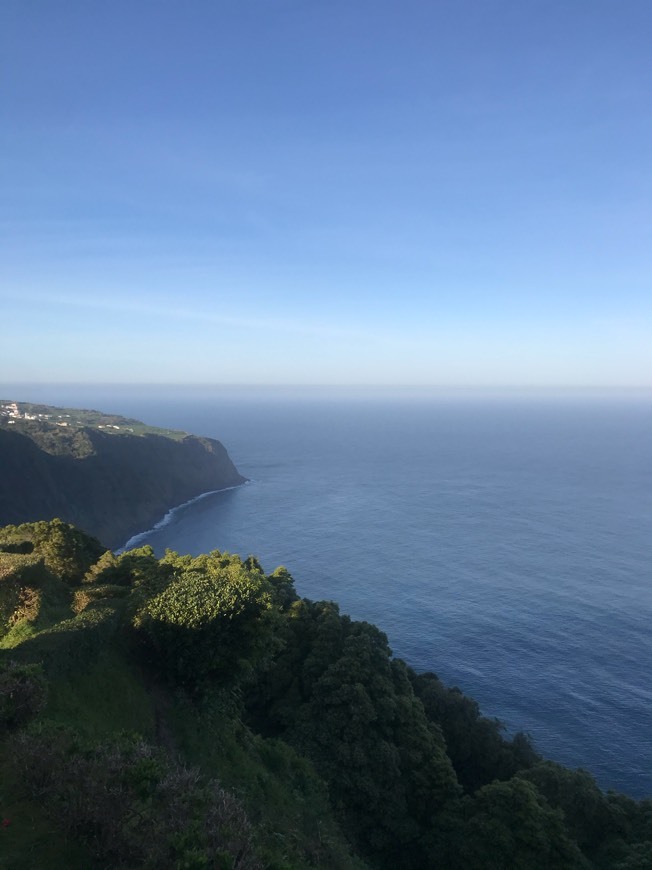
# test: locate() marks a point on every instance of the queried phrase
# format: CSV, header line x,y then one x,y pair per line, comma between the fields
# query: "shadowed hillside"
x,y
112,482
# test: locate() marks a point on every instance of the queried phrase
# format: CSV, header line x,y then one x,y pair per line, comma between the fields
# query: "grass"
x,y
106,697
31,599
280,790
30,840
17,634
98,687
101,697
77,418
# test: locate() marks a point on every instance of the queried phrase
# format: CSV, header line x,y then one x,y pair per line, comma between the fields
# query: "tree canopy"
x,y
342,755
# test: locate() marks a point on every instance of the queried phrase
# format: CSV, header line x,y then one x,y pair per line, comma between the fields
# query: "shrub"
x,y
130,805
67,551
23,693
213,621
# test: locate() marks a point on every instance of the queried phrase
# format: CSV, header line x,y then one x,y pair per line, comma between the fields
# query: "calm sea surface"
x,y
504,544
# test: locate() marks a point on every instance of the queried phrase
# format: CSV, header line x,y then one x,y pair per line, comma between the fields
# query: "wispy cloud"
x,y
199,312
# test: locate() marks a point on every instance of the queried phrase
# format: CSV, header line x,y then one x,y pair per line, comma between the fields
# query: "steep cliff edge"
x,y
110,485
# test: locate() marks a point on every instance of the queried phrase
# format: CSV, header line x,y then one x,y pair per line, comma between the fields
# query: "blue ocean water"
x,y
503,543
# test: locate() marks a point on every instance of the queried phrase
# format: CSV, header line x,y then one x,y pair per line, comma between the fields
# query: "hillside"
x,y
111,476
196,713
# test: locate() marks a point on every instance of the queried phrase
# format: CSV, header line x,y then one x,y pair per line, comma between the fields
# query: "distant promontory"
x,y
109,475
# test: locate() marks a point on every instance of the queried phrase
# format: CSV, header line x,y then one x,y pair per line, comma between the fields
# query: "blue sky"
x,y
452,193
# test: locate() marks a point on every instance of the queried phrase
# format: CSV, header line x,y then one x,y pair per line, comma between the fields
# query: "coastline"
x,y
135,540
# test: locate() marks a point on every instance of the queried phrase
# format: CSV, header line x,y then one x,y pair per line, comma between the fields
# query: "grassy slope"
x,y
96,687
76,418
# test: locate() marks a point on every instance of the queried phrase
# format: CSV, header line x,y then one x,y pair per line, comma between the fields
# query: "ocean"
x,y
502,542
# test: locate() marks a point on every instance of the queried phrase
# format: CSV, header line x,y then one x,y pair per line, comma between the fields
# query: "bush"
x,y
130,805
23,693
67,551
213,621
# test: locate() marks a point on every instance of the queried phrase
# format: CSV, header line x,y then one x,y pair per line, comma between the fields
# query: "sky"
x,y
438,193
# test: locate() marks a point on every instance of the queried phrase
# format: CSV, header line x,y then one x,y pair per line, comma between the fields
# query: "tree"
x,y
509,826
213,620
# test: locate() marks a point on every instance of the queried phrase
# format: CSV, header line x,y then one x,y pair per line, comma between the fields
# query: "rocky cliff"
x,y
110,485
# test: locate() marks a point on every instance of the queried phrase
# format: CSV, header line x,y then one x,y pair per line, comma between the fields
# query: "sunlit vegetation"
x,y
196,713
26,416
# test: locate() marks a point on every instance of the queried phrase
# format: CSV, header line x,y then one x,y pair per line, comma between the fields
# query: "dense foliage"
x,y
130,804
195,712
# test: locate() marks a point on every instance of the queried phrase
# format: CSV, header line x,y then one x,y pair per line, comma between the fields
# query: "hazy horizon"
x,y
44,391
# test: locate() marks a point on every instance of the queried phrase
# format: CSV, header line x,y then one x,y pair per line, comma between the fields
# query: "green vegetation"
x,y
26,416
196,713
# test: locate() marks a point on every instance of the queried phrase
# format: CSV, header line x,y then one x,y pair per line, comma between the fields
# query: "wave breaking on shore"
x,y
138,538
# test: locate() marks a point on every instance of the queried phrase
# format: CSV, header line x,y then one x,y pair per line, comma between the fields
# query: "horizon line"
x,y
233,385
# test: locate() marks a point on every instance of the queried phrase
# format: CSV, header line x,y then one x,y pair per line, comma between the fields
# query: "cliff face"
x,y
112,486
